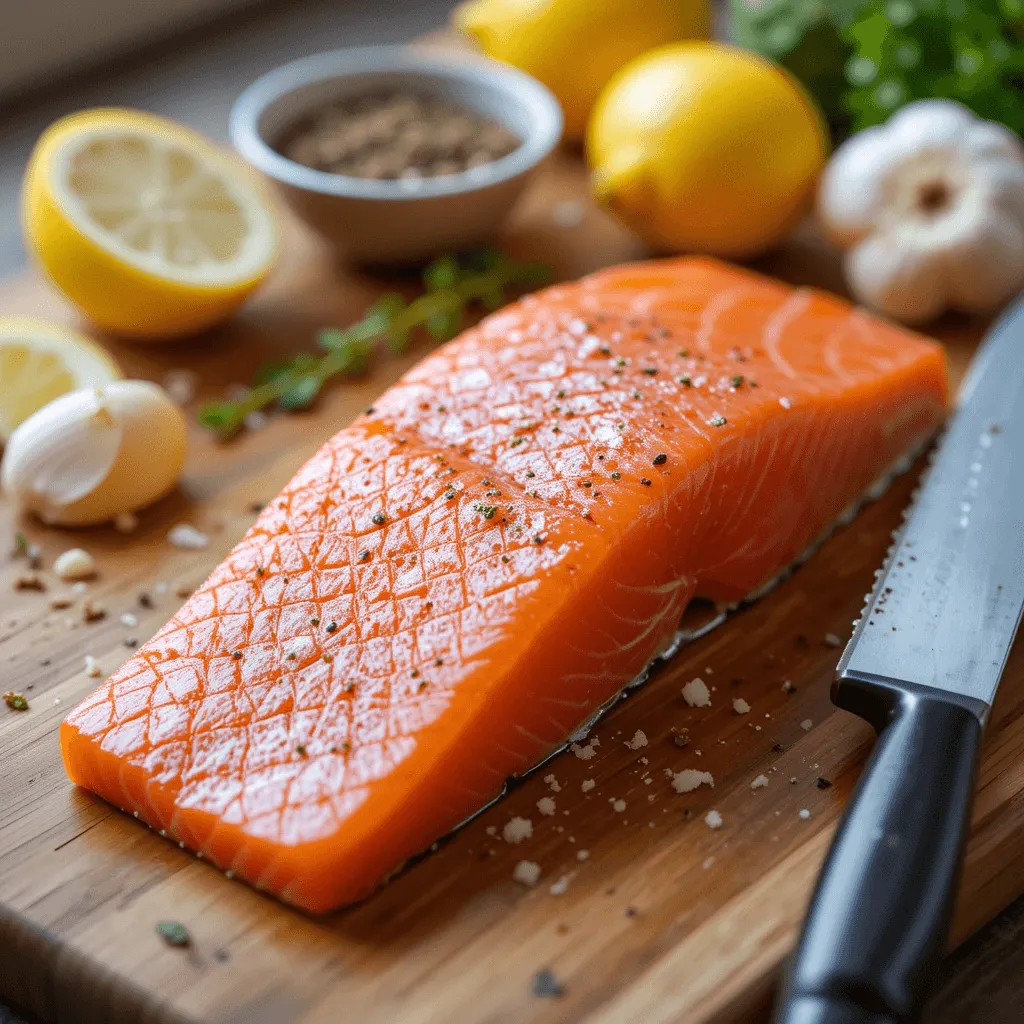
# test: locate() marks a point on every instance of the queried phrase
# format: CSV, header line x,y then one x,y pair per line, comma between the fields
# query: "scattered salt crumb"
x,y
788,687
639,740
491,830
567,213
805,814
558,888
792,780
129,620
255,420
831,640
92,668
708,671
126,522
760,782
588,785
180,386
708,861
690,779
184,535
807,725
75,564
584,753
526,872
552,784
785,403
696,694
582,854
713,819
740,706
648,781
619,805
517,829
546,806
643,760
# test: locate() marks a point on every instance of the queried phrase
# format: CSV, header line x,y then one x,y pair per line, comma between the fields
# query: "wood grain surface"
x,y
664,921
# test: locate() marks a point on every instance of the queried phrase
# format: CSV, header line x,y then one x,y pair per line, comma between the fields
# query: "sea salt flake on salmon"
x,y
461,578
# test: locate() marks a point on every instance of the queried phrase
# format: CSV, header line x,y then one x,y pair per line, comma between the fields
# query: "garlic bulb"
x,y
931,206
95,454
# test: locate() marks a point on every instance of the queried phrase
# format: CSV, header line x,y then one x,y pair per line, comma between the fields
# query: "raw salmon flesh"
x,y
456,581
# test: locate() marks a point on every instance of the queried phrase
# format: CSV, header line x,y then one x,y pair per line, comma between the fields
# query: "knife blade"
x,y
923,666
946,606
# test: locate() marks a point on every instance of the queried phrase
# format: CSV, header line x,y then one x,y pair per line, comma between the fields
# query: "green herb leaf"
x,y
442,273
16,701
224,418
300,394
174,933
443,324
277,369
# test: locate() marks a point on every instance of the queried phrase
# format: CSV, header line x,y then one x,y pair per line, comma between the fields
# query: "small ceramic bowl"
x,y
371,221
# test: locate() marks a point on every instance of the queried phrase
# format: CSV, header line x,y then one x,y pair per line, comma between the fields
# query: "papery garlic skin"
x,y
931,208
94,454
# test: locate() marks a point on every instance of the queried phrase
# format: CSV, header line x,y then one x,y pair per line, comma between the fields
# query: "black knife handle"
x,y
880,915
815,1010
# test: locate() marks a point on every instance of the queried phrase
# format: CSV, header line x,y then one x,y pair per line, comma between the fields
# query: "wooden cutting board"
x,y
664,920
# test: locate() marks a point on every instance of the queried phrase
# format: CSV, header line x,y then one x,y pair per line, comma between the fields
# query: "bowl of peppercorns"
x,y
395,154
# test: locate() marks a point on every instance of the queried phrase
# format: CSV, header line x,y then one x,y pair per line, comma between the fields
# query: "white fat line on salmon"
x,y
661,588
832,357
720,303
771,334
561,702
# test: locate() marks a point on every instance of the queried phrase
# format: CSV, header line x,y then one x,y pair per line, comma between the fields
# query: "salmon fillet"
x,y
456,581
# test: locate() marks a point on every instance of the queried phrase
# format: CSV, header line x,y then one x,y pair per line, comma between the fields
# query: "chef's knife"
x,y
922,667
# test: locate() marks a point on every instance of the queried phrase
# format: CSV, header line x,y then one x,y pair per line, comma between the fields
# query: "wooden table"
x,y
666,920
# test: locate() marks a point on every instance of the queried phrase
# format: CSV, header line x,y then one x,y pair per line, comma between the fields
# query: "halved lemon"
x,y
40,362
145,225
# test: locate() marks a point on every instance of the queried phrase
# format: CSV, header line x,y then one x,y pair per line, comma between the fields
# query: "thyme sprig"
x,y
452,285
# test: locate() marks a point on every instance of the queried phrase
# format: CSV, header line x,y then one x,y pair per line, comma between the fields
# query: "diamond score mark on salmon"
x,y
501,544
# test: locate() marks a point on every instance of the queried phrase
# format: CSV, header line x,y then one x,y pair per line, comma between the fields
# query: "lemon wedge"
x,y
40,362
146,226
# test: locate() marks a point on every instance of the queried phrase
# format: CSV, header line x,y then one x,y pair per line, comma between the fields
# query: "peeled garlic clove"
x,y
94,454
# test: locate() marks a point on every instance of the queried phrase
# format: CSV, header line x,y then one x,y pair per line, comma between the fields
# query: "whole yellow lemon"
x,y
575,46
703,147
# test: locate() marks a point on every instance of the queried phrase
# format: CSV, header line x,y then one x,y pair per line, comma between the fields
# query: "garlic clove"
x,y
986,139
929,125
67,472
1003,182
94,454
984,239
896,277
851,194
